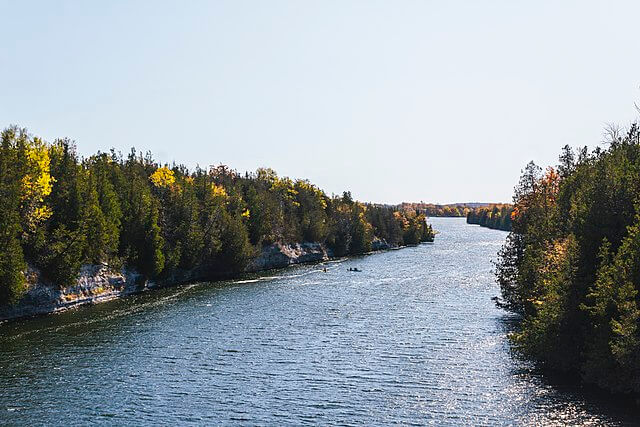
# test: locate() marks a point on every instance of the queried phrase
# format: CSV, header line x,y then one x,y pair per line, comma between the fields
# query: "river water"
x,y
414,339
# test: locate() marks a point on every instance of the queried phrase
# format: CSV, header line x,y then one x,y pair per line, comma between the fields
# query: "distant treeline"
x,y
58,212
571,266
450,210
497,216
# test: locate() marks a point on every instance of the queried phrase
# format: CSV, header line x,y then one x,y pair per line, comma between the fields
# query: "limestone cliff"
x,y
96,283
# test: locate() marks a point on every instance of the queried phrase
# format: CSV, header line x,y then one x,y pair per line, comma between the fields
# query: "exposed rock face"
x,y
379,245
96,283
278,255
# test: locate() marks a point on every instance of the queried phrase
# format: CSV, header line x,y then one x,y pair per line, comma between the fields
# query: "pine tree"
x,y
12,264
94,225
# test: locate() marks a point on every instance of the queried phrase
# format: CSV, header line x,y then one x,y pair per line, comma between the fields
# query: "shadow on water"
x,y
412,339
88,324
559,388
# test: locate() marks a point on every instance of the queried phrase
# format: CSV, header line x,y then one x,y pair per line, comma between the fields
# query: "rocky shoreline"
x,y
96,283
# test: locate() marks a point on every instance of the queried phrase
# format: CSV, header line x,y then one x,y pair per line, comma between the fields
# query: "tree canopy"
x,y
495,216
60,211
571,265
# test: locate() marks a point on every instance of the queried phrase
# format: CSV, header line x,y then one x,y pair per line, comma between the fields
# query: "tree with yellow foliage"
x,y
58,212
36,182
163,178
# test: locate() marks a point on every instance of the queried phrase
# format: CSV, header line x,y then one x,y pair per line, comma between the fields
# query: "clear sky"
x,y
441,101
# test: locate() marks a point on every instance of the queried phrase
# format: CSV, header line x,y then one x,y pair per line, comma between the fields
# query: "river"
x,y
414,339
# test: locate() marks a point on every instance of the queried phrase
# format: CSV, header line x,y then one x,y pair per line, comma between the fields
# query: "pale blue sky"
x,y
394,100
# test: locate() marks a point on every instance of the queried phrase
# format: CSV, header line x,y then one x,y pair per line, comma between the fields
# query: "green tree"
x,y
12,264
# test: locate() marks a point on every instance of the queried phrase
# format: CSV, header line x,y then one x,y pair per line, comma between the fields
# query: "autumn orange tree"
x,y
571,265
496,216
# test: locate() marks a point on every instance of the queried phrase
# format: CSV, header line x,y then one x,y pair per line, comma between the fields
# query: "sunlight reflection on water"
x,y
414,339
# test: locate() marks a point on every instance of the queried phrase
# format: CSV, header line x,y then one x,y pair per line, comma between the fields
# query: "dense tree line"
x,y
59,211
448,210
571,266
430,209
497,217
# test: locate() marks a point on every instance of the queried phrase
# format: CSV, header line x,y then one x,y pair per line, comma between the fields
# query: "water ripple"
x,y
413,339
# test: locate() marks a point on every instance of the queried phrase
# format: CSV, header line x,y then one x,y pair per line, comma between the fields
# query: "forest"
x,y
571,265
497,216
59,211
449,210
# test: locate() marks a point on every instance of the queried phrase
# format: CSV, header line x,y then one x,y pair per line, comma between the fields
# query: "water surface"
x,y
413,339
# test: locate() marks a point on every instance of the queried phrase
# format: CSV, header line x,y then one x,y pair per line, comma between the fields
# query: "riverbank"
x,y
490,226
97,283
414,337
495,217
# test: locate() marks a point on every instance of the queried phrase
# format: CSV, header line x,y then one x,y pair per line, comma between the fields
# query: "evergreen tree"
x,y
571,265
12,264
60,213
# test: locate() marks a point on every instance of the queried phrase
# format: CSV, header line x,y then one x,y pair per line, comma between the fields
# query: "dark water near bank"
x,y
413,339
